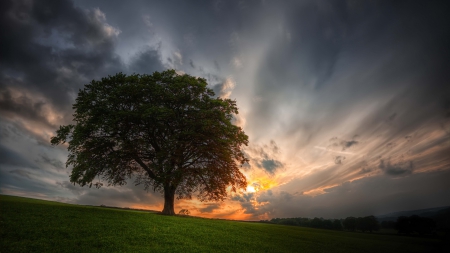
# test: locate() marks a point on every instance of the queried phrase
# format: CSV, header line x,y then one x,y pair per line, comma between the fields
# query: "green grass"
x,y
30,225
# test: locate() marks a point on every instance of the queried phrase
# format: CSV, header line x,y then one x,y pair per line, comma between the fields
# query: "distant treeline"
x,y
404,225
307,222
368,223
414,224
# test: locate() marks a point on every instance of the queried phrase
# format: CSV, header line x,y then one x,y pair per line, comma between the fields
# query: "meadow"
x,y
31,225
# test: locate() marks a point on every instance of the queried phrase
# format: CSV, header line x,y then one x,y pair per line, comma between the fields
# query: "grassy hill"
x,y
30,225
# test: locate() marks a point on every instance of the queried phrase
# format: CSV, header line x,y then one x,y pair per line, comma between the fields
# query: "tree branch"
x,y
145,167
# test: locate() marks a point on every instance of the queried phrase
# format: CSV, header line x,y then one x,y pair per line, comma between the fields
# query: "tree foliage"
x,y
334,224
415,224
166,129
368,223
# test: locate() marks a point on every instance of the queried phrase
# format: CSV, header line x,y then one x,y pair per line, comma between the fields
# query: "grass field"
x,y
30,225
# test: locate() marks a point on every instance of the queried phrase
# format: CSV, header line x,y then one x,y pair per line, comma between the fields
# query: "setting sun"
x,y
251,189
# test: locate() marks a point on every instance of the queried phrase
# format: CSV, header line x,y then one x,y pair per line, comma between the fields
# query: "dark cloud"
x,y
270,165
10,157
146,62
265,157
45,159
23,173
216,64
209,208
191,63
75,189
392,117
25,105
53,46
338,159
23,181
396,169
245,197
344,144
347,144
384,52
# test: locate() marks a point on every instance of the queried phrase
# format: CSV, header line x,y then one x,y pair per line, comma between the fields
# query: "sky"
x,y
346,103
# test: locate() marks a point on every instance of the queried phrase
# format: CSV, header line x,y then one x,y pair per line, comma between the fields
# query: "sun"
x,y
251,189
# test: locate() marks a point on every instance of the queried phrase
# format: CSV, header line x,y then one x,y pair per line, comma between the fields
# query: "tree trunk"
x,y
169,198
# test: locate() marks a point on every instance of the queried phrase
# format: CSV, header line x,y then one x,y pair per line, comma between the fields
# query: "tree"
x,y
184,212
371,223
350,223
167,130
415,224
337,225
316,223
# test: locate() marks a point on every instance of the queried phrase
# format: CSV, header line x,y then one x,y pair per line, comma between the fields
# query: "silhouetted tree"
x,y
388,224
166,129
361,224
337,225
371,223
184,212
415,224
306,222
442,219
316,223
404,225
350,223
327,224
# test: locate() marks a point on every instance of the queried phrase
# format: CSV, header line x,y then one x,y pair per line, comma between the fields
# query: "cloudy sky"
x,y
346,103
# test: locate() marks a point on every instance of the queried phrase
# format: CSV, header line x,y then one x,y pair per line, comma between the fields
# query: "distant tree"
x,y
442,219
371,223
368,223
327,224
306,222
415,224
184,212
388,224
337,225
422,225
316,223
350,223
361,224
166,129
404,225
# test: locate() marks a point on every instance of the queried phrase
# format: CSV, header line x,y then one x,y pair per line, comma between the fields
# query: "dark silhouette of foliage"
x,y
388,224
184,212
316,223
166,129
442,220
415,224
337,225
350,223
307,222
412,225
368,223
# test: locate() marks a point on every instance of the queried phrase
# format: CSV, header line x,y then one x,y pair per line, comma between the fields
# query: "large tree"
x,y
167,130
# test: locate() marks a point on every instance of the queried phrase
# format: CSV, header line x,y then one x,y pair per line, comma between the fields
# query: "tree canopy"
x,y
169,131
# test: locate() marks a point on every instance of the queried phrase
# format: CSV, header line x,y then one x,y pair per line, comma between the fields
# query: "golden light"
x,y
251,189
